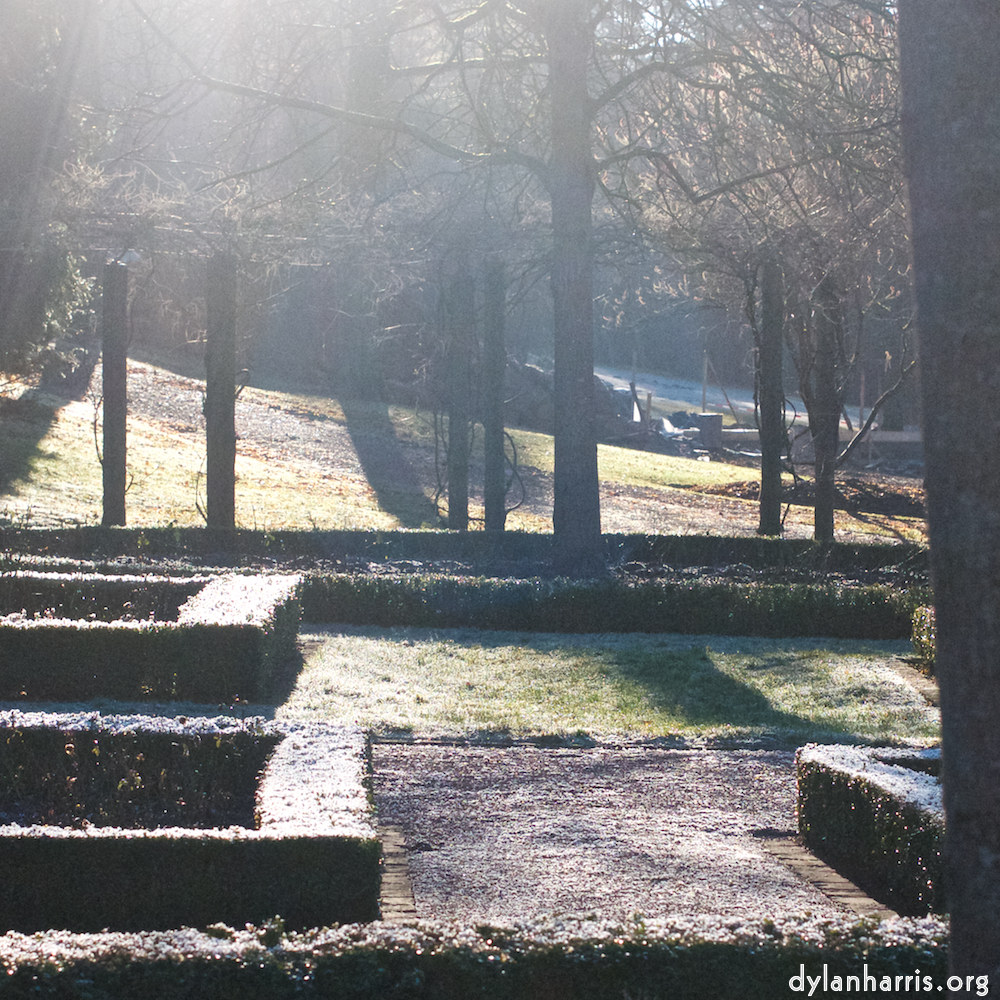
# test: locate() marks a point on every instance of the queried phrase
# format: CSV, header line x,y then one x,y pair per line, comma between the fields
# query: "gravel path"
x,y
501,835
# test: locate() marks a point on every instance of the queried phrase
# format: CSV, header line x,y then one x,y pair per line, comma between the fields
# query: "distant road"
x,y
679,390
690,393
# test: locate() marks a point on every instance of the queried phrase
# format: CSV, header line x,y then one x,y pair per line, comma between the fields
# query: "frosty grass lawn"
x,y
466,681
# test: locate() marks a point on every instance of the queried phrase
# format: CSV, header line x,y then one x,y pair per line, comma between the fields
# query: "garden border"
x,y
228,638
875,814
314,857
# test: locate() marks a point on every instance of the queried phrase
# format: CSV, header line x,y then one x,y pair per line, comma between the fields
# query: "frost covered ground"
x,y
499,835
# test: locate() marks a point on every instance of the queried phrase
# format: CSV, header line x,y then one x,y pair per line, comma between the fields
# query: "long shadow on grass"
x,y
386,465
689,686
24,422
683,684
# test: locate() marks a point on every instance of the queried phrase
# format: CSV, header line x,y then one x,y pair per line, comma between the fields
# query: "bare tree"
x,y
544,102
220,392
114,345
790,160
770,397
453,53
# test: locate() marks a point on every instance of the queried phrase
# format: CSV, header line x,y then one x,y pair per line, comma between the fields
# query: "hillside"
x,y
309,461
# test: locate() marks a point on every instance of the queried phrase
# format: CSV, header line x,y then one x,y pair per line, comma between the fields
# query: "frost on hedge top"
x,y
55,598
208,639
313,784
891,770
238,600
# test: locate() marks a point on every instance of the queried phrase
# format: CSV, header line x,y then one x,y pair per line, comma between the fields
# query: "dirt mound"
x,y
892,497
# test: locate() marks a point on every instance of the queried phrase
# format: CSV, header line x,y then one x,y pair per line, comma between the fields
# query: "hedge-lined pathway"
x,y
498,835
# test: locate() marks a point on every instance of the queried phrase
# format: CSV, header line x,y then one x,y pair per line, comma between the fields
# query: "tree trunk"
x,y
461,312
220,392
951,106
576,514
494,366
114,342
824,415
771,399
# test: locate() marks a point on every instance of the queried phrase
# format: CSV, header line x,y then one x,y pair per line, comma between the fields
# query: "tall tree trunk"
x,y
494,366
824,415
951,106
114,343
461,311
770,399
576,514
220,392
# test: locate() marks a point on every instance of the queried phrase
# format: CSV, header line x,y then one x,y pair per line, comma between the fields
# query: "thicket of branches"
x,y
680,143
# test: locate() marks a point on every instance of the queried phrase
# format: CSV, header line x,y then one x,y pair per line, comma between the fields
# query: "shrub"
x,y
706,958
304,846
96,777
924,634
202,546
873,612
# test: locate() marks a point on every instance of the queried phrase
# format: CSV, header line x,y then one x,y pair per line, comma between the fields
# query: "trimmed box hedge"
x,y
559,605
706,958
878,814
223,547
309,854
94,596
219,637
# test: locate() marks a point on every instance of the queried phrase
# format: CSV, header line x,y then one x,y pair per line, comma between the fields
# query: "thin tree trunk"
x,y
220,392
824,416
114,344
771,399
576,514
951,106
494,366
461,310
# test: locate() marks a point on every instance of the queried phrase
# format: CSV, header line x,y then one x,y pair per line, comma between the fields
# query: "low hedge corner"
x,y
878,814
70,637
137,823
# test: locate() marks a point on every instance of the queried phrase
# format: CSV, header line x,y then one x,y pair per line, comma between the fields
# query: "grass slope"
x,y
50,472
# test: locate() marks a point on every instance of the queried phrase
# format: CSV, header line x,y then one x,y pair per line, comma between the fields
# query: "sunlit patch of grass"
x,y
467,681
643,468
166,482
631,467
56,477
623,465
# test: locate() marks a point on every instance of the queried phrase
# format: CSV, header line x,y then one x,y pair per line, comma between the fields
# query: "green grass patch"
x,y
468,681
643,468
631,467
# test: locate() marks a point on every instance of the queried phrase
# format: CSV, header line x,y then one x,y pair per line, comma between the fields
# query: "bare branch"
x,y
879,403
696,198
358,118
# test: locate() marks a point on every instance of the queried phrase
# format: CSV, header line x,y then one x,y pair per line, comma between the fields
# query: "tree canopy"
x,y
386,135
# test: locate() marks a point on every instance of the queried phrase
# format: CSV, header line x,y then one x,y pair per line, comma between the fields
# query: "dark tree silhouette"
x,y
220,392
114,345
770,398
951,104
